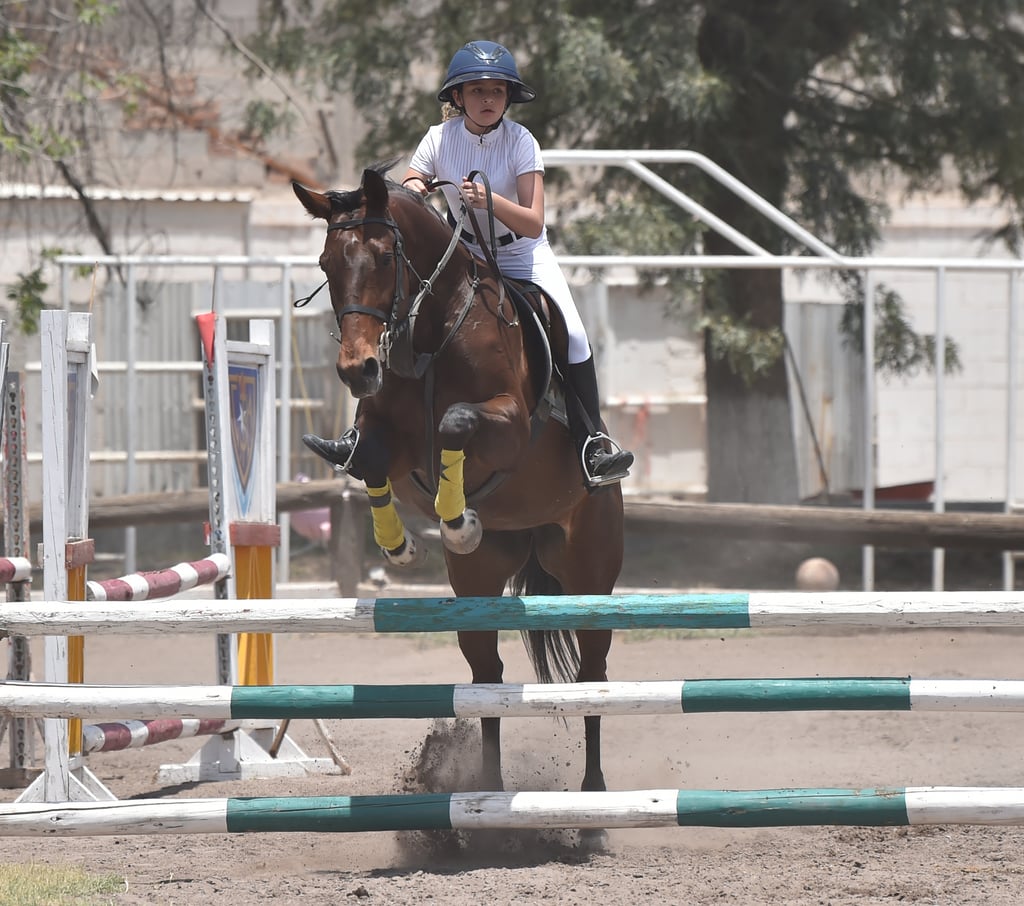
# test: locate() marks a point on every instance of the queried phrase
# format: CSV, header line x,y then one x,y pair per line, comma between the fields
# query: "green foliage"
x,y
899,350
44,84
632,225
17,54
637,225
27,295
27,291
811,104
750,351
263,119
94,12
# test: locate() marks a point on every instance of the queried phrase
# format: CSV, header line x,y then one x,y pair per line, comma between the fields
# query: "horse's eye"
x,y
387,259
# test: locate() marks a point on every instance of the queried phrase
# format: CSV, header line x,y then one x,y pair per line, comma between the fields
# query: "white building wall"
x,y
976,399
651,373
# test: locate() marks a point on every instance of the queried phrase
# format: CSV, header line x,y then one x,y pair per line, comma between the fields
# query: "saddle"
x,y
533,313
534,310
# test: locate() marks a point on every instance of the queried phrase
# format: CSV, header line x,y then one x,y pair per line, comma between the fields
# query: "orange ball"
x,y
817,574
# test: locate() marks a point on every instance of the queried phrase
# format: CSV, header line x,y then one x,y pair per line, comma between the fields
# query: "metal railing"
x,y
821,257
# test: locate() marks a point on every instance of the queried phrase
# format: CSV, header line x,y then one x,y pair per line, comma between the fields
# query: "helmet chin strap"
x,y
486,129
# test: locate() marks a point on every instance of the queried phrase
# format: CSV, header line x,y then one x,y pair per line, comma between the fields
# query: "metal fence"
x,y
819,259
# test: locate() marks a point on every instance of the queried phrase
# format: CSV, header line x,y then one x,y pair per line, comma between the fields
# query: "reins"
x,y
490,251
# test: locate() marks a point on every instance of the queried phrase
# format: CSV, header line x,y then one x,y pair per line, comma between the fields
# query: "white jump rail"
x,y
878,610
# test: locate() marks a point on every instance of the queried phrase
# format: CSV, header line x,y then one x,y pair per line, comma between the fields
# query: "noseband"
x,y
395,348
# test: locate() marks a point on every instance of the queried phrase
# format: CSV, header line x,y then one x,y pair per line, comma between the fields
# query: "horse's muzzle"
x,y
363,380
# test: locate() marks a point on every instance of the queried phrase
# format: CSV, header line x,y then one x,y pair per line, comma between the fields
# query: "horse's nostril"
x,y
365,374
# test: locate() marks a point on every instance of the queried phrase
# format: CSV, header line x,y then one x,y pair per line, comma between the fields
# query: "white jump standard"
x,y
238,750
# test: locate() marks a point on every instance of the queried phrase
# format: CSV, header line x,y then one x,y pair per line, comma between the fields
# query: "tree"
x,y
814,105
78,76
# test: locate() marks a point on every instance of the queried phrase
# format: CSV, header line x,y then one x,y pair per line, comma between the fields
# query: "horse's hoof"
x,y
406,554
463,534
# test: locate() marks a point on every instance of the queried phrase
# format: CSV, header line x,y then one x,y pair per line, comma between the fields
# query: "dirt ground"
x,y
799,866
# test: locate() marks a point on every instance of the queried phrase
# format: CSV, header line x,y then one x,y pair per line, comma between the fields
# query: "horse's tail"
x,y
554,654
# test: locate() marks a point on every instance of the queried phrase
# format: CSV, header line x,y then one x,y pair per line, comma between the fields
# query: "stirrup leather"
x,y
611,477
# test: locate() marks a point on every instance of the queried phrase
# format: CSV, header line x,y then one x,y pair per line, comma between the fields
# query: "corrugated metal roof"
x,y
16,190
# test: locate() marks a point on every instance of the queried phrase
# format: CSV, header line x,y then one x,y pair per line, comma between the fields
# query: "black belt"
x,y
467,236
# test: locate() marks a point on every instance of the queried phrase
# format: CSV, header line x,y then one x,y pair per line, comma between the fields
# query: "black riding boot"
x,y
602,460
337,452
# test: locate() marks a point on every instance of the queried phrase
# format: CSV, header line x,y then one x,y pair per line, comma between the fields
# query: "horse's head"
x,y
364,264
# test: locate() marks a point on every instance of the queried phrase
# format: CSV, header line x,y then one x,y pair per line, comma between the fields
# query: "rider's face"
x,y
484,101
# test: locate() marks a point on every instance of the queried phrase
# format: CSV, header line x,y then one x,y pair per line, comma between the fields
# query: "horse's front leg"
x,y
398,546
371,462
365,455
498,431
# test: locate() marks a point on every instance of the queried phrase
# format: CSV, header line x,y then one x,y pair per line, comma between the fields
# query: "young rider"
x,y
481,83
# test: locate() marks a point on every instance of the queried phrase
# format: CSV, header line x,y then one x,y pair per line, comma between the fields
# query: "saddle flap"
x,y
534,309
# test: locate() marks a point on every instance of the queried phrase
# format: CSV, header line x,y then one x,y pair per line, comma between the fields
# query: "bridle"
x,y
395,345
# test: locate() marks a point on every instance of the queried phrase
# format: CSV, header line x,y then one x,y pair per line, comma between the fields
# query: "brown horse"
x,y
450,387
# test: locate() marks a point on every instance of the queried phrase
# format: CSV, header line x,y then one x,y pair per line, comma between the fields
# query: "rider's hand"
x,y
417,185
474,193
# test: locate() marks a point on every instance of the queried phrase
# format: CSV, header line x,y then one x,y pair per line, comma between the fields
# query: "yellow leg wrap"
x,y
388,530
451,496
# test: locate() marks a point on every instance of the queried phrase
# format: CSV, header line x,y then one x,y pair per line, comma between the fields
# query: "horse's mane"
x,y
346,201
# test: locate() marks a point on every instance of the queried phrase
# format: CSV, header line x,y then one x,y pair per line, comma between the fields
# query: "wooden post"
x,y
346,545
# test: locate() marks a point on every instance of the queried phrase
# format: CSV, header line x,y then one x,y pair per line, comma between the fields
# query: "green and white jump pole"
x,y
468,700
876,610
898,806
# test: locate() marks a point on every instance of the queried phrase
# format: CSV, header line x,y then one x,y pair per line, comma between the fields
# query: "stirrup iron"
x,y
596,481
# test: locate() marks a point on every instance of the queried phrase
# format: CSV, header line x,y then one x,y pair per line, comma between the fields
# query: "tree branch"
x,y
96,226
252,58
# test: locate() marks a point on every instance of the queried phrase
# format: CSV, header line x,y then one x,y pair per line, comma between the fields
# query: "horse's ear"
x,y
375,189
318,204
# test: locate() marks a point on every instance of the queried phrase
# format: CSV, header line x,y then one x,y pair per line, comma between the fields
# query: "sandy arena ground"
x,y
951,866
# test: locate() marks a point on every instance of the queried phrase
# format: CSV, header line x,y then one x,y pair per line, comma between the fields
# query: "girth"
x,y
535,328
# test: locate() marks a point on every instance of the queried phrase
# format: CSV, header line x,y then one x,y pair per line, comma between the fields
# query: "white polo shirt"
x,y
449,151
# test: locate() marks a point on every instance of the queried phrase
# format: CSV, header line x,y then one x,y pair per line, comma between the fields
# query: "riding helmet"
x,y
485,60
